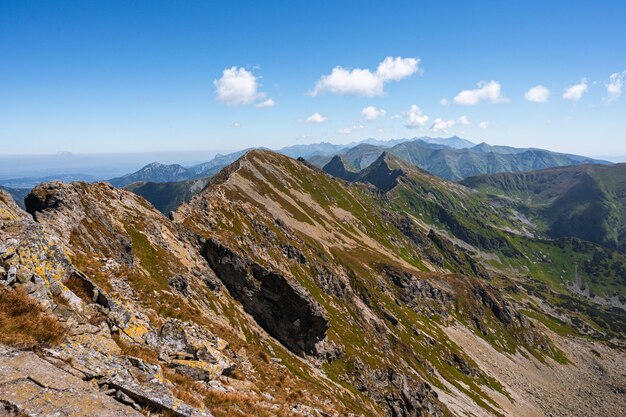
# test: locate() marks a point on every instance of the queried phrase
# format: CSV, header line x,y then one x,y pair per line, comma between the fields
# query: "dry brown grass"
x,y
75,285
221,404
141,352
226,404
23,324
184,387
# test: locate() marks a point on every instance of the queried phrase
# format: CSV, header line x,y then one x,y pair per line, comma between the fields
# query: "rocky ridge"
x,y
277,290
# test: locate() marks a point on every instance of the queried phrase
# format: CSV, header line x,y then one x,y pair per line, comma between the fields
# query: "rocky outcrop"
x,y
501,308
417,293
278,303
191,349
37,261
409,228
31,386
398,393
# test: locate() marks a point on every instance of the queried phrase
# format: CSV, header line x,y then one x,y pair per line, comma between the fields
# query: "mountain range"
x,y
451,158
278,289
457,164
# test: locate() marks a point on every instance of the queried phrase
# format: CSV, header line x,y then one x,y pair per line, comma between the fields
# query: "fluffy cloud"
x,y
363,82
239,86
415,117
440,124
444,101
483,125
486,91
266,103
395,69
372,113
537,94
576,91
315,118
615,85
348,130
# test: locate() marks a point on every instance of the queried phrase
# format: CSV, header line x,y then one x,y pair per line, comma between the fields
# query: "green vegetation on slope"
x,y
587,202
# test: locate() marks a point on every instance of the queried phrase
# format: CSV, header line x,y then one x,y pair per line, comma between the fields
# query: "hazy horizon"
x,y
23,171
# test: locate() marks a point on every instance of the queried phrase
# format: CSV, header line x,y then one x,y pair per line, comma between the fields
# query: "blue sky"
x,y
129,76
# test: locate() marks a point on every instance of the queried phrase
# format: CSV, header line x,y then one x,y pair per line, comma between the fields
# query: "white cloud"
x,y
415,117
372,113
235,125
348,130
440,124
576,91
483,125
537,94
239,86
444,101
266,103
315,118
486,91
362,82
395,69
615,85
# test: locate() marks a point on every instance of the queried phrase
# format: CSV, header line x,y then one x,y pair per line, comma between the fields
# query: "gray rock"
x,y
34,387
180,283
11,275
278,303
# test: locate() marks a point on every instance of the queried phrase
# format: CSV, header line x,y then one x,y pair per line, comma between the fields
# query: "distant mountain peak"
x,y
340,168
385,171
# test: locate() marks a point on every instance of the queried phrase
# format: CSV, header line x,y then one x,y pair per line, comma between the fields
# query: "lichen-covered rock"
x,y
33,387
191,349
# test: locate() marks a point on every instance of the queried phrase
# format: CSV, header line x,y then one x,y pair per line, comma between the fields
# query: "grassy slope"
x,y
588,202
487,224
343,214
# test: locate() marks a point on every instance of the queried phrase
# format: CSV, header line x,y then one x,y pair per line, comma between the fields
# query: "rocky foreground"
x,y
276,291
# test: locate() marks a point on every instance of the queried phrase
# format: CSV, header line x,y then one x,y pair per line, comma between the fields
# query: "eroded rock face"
x,y
400,394
74,213
279,304
501,308
416,292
